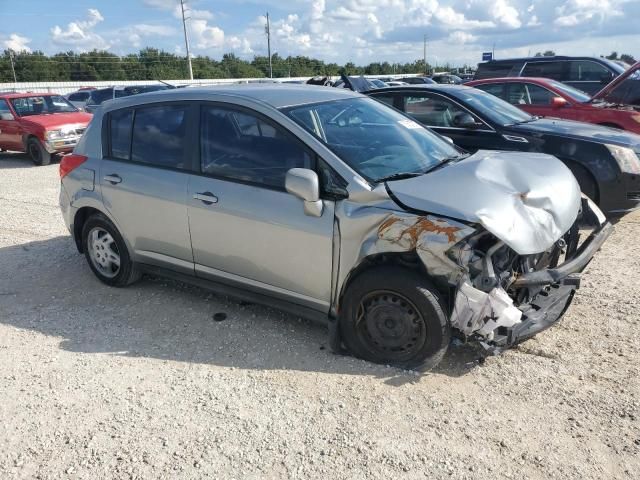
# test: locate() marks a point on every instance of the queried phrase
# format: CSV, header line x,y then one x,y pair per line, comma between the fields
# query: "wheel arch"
x,y
408,260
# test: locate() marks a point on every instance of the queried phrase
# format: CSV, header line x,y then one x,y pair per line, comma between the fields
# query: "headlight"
x,y
627,159
54,134
635,118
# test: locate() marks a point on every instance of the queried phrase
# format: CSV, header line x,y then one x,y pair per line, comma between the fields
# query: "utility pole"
x,y
12,67
186,39
424,55
267,30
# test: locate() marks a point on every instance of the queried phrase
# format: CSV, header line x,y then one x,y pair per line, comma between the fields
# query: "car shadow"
x,y
47,287
20,160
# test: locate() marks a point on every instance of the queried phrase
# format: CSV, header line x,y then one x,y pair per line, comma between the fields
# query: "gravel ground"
x,y
142,382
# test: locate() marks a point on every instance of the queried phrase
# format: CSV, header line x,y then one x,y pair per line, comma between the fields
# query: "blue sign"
x,y
487,56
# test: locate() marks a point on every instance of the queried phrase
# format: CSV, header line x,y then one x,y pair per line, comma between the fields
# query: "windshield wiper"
x,y
399,176
447,160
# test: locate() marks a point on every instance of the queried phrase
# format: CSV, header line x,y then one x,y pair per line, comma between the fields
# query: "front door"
x,y
143,179
245,228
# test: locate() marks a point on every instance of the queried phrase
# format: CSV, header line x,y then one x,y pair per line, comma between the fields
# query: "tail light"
x,y
70,162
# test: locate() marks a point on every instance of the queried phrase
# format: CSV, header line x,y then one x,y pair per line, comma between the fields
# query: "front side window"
x,y
434,111
120,122
586,71
373,139
529,94
40,105
159,136
239,145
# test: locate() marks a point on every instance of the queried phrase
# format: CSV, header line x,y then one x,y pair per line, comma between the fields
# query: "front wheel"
x,y
392,315
107,253
37,152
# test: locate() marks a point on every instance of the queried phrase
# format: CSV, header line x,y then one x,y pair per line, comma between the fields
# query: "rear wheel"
x,y
107,253
37,152
392,315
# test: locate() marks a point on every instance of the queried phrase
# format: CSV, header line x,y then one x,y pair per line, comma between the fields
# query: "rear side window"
x,y
241,146
544,69
120,123
493,70
388,99
496,89
159,136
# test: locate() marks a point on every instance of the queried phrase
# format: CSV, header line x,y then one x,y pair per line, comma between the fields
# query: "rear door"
x,y
144,177
10,132
245,228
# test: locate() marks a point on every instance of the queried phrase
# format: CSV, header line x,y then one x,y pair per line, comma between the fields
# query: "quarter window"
x,y
241,146
159,136
120,122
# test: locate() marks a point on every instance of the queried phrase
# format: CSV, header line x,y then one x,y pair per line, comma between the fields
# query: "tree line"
x,y
154,64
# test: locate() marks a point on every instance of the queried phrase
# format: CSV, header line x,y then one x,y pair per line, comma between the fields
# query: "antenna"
x,y
267,30
186,39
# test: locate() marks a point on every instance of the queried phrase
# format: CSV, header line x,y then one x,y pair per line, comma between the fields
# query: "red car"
x,y
41,124
617,105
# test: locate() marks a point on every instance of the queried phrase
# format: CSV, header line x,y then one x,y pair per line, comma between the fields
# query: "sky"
x,y
360,31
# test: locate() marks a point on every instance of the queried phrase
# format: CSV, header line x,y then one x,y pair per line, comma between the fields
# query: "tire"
x,y
587,184
392,315
102,245
37,152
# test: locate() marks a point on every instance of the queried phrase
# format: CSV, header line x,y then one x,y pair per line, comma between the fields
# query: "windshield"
x,y
574,93
627,92
42,104
373,139
99,96
490,106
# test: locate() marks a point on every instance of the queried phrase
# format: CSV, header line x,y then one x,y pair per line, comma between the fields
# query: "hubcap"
x,y
391,326
104,252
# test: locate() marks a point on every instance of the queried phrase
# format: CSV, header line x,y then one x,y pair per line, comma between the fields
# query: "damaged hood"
x,y
527,200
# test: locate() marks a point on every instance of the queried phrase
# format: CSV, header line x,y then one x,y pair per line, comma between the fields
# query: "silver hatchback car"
x,y
329,204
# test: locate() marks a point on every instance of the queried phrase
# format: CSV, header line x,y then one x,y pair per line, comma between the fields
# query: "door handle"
x,y
113,178
207,198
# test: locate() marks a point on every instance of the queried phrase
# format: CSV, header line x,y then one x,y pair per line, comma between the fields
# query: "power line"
x,y
186,39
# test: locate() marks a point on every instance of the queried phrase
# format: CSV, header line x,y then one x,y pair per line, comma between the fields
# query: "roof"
x,y
25,94
512,80
442,87
274,94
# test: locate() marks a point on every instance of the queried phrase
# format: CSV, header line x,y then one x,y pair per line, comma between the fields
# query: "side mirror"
x,y
558,102
464,120
304,184
6,116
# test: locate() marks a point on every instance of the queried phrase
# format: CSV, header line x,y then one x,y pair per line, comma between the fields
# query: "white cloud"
x,y
506,15
205,36
460,38
80,34
17,43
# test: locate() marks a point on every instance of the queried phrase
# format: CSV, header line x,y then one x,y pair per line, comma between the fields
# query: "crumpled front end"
x,y
505,297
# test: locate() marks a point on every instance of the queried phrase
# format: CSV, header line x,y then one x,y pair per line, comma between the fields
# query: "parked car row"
x,y
46,124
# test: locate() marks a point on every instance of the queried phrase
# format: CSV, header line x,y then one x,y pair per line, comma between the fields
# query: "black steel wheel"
x,y
37,152
393,315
